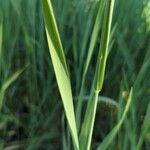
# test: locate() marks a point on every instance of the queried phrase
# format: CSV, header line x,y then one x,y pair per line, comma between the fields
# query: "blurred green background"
x,y
30,108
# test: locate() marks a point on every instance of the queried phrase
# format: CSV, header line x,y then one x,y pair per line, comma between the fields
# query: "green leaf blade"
x,y
7,83
103,51
96,28
51,27
1,33
95,32
87,126
88,123
60,68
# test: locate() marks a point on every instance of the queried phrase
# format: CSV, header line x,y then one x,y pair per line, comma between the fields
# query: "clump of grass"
x,y
28,116
59,63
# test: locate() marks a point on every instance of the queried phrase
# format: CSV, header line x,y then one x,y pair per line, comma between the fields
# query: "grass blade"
x,y
1,33
60,68
105,100
109,138
92,44
103,52
95,32
87,127
6,85
145,127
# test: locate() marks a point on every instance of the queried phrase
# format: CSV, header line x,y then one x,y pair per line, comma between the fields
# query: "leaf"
x,y
92,44
109,138
60,68
103,52
88,123
145,127
1,33
7,83
64,136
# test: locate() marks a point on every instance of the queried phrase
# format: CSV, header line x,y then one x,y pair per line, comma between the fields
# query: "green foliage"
x,y
32,113
60,67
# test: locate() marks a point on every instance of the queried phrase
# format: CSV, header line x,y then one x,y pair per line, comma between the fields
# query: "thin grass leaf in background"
x,y
60,68
145,127
92,44
6,85
106,100
109,138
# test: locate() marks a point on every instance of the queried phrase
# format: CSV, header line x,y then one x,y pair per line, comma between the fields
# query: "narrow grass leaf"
x,y
145,127
6,85
64,138
60,67
88,124
106,100
92,44
109,138
103,52
95,32
1,33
